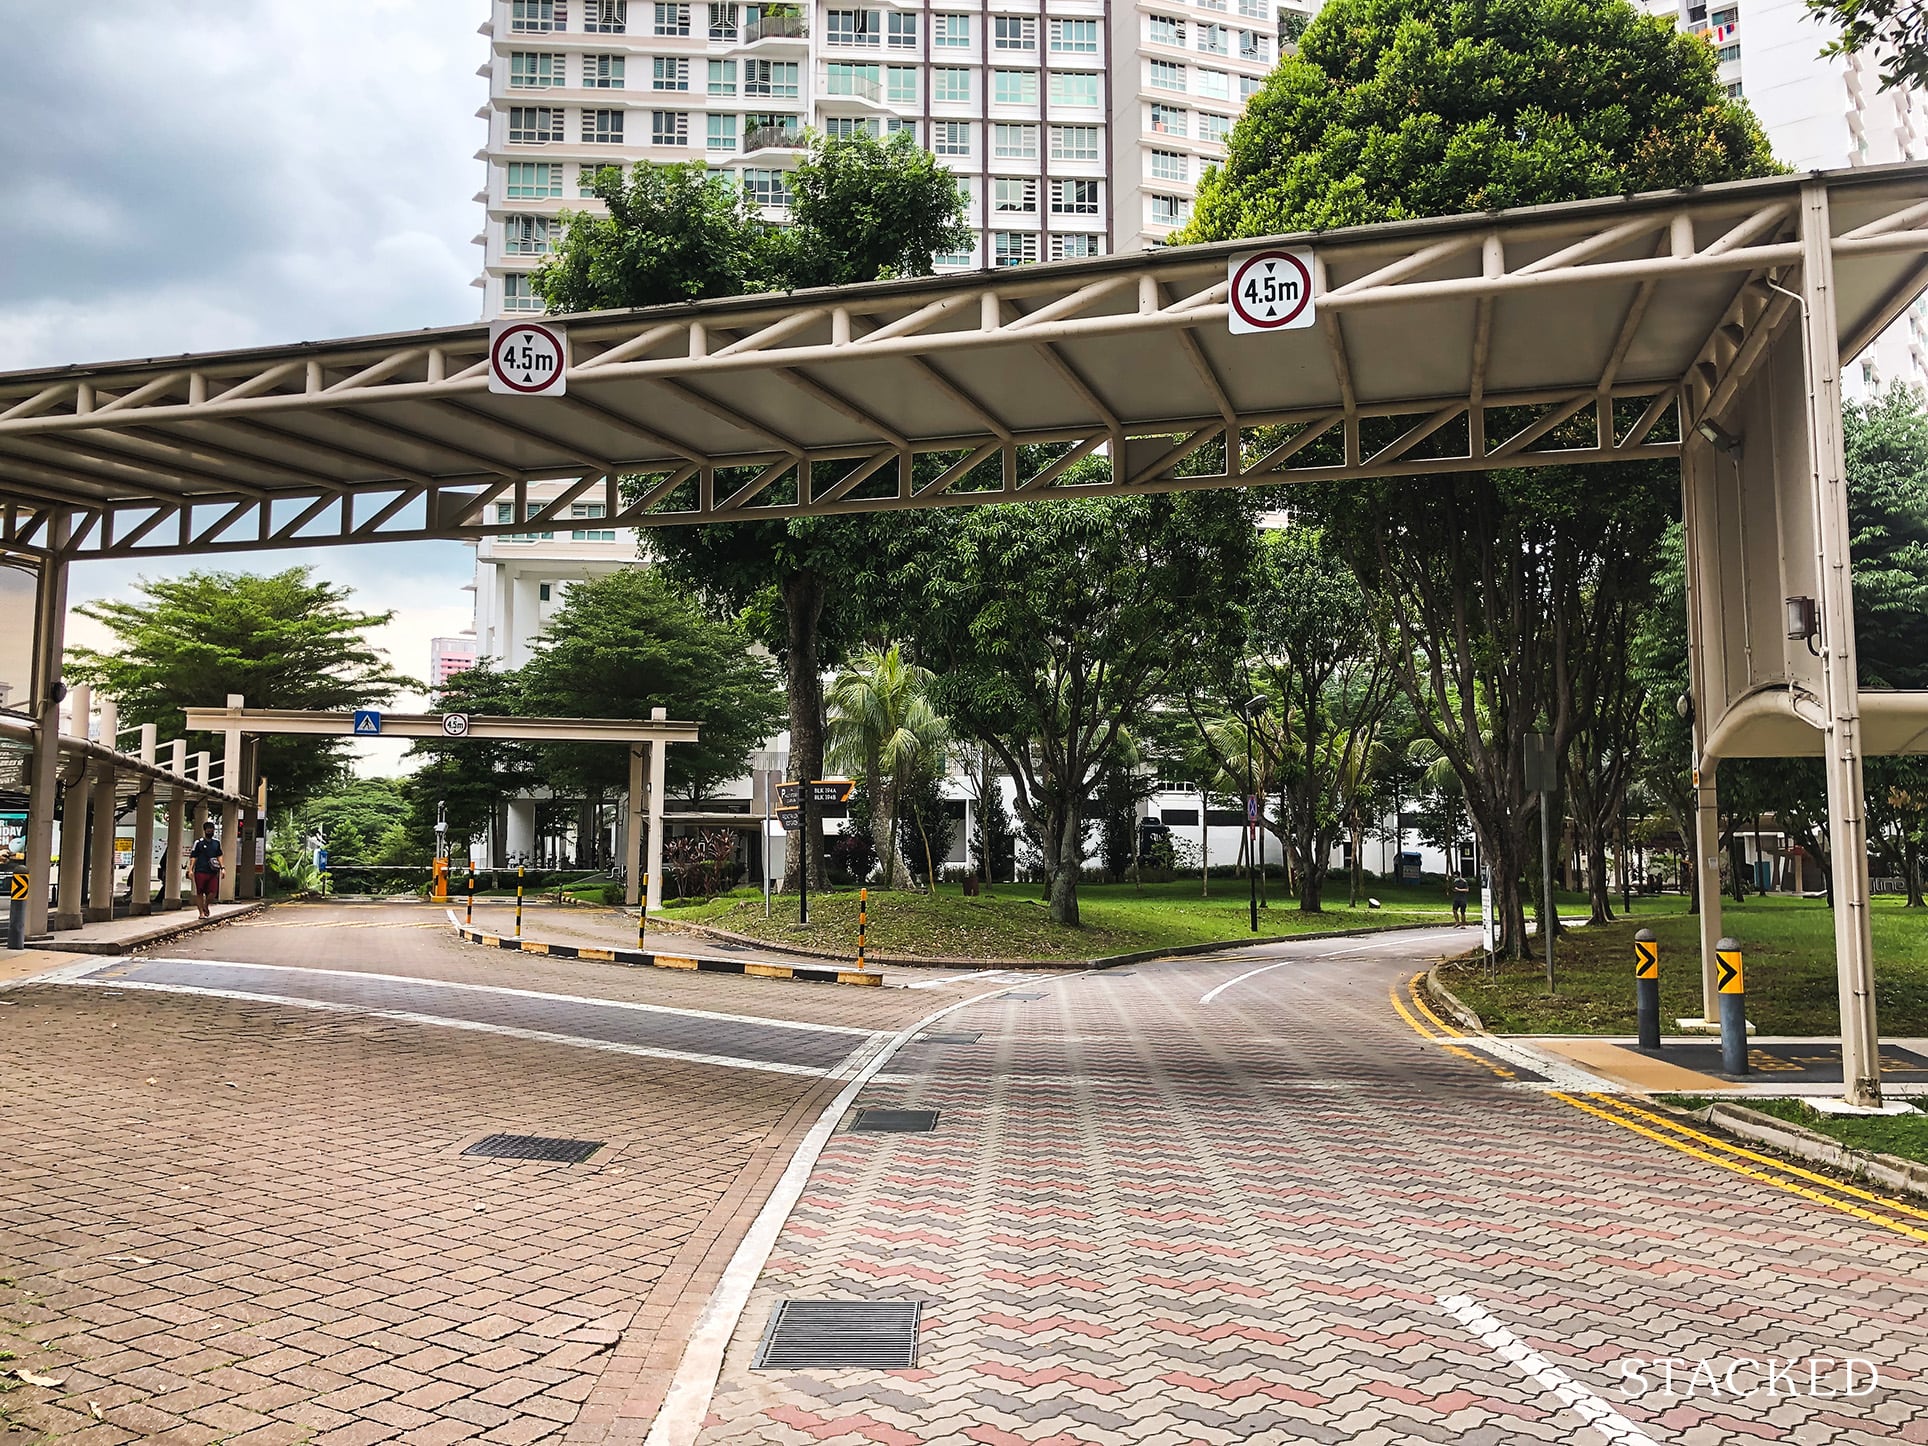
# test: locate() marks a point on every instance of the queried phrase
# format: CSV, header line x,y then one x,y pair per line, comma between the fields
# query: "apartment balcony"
x,y
772,138
858,91
792,28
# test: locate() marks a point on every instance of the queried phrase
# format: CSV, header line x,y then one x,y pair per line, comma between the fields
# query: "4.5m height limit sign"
x,y
1269,291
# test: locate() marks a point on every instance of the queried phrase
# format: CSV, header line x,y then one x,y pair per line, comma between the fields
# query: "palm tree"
x,y
882,725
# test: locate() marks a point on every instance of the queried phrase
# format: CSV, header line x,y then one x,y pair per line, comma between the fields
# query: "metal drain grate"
x,y
895,1122
949,1038
535,1147
878,1335
1024,996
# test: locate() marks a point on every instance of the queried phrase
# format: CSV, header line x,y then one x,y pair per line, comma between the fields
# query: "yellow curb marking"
x,y
607,956
859,977
769,971
674,961
1392,993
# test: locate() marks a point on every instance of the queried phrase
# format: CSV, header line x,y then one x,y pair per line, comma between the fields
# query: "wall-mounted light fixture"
x,y
1803,622
1723,441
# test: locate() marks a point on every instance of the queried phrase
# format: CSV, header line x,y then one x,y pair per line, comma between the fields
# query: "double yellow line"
x,y
1698,1144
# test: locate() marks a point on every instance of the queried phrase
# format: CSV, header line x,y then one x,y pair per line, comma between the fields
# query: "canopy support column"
x,y
633,832
100,838
49,645
73,818
176,826
140,897
231,782
1706,843
657,759
1847,810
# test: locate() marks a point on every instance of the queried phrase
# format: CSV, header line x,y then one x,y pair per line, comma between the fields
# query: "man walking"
x,y
205,861
1462,891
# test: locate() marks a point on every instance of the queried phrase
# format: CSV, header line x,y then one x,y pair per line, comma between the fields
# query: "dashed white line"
x,y
1510,1348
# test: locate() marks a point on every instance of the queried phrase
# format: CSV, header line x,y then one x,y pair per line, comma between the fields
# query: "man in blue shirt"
x,y
205,860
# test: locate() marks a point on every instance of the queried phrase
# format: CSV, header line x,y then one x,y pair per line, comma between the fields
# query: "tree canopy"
x,y
1895,30
1405,108
281,640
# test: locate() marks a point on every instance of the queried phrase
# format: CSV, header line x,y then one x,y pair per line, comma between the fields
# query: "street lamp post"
x,y
1247,709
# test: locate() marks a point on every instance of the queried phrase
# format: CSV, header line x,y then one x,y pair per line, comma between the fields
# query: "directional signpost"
x,y
1269,290
528,359
830,798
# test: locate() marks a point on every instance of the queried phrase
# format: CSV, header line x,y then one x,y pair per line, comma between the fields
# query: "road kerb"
x,y
651,959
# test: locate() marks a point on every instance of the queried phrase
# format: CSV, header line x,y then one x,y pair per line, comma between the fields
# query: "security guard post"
x,y
1646,987
1733,1006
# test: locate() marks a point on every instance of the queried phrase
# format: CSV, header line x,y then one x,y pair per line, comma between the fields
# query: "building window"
x,y
534,17
586,176
1013,248
951,138
1727,53
725,21
1014,87
1165,31
951,32
1078,88
527,236
1249,85
1214,39
1014,143
1169,210
602,72
671,72
535,70
534,125
505,512
1014,32
606,17
766,188
901,84
534,180
722,77
1166,75
894,124
902,29
672,20
845,127
722,134
950,83
853,27
1074,198
1170,166
1212,4
602,127
843,78
1075,36
518,294
1215,84
774,78
1168,120
954,258
669,128
1255,9
1074,143
1251,45
1212,127
1734,91
1012,196
590,534
1067,246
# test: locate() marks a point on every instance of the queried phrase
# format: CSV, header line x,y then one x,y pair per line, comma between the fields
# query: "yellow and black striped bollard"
x,y
470,917
863,923
1646,987
642,916
519,870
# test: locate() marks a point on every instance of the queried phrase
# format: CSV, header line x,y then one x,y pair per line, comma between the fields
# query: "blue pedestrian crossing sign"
x,y
368,723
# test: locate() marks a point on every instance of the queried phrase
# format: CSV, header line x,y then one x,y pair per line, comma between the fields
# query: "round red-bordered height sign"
x,y
1270,291
528,358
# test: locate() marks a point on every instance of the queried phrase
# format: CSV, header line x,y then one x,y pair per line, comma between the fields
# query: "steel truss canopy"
x,y
1588,332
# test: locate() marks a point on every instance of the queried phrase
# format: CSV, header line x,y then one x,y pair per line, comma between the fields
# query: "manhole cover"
x,y
878,1335
534,1147
1025,996
895,1122
949,1038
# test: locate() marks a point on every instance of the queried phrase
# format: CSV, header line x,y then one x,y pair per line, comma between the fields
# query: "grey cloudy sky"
x,y
194,174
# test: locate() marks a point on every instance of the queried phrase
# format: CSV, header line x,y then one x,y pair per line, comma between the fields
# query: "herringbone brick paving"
x,y
232,1221
1147,1220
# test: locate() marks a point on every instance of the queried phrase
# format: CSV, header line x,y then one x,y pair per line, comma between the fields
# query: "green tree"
x,y
862,209
1886,446
1052,627
281,640
622,644
1401,108
1895,30
355,817
882,725
675,232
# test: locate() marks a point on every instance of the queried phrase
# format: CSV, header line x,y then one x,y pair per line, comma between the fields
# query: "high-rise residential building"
x,y
1078,127
449,656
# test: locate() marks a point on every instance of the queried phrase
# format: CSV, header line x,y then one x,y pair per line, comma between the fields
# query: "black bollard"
x,y
1646,987
1732,988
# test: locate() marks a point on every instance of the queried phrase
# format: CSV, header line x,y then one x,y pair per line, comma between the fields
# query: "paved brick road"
x,y
1148,1219
231,1220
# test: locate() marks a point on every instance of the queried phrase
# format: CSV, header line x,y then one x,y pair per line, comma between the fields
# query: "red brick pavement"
x,y
234,1221
1147,1220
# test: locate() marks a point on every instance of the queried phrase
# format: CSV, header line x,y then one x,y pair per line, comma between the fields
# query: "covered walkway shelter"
x,y
1704,325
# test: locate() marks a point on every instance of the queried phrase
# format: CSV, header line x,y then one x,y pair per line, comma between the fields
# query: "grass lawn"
x,y
1788,944
1903,1135
1013,923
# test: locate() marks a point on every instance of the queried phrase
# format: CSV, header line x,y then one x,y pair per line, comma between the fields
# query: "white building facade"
x,y
1077,127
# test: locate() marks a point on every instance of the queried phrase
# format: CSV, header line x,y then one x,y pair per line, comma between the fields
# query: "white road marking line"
x,y
405,1016
1210,995
958,978
1509,1347
680,1418
66,973
530,994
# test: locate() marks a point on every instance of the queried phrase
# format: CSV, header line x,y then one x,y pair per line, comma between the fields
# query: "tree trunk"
x,y
1311,891
1599,880
1064,878
880,817
803,608
1911,870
